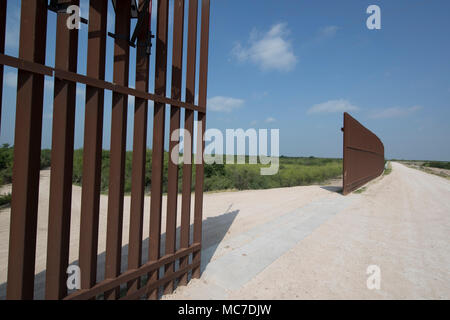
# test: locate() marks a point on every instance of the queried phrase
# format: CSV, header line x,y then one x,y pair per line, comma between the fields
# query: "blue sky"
x,y
297,65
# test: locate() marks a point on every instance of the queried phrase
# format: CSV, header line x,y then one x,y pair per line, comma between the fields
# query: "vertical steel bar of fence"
x,y
62,160
27,152
118,146
93,133
3,5
172,177
158,140
189,130
199,168
139,153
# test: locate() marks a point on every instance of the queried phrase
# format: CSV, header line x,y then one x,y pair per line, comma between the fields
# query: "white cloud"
x,y
333,106
224,104
270,120
394,112
269,51
328,31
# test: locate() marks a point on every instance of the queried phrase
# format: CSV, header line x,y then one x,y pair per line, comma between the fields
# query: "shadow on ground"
x,y
214,230
334,189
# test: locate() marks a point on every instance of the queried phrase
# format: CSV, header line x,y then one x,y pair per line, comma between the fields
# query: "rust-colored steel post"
x,y
172,183
189,129
139,153
3,5
199,168
93,133
363,155
118,146
62,160
27,152
159,118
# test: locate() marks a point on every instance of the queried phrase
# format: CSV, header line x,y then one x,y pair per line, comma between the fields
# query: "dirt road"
x,y
302,242
322,250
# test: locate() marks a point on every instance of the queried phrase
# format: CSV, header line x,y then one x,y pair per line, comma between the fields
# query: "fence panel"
x,y
3,5
27,152
175,117
363,155
139,149
24,213
201,118
62,160
189,130
93,139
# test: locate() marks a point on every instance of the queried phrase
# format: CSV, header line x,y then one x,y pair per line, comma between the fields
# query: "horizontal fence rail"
x,y
363,155
163,270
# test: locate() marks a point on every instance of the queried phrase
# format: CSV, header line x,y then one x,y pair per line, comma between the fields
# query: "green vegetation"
x,y
292,172
6,162
388,169
360,190
6,166
5,199
437,164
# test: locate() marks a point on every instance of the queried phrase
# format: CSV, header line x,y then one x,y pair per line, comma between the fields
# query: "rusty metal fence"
x,y
142,279
363,155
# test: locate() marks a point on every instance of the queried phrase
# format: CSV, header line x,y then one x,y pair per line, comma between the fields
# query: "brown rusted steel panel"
x,y
159,118
3,5
62,161
153,286
172,183
99,84
25,65
118,146
199,168
363,155
130,275
139,154
93,133
27,151
32,69
189,130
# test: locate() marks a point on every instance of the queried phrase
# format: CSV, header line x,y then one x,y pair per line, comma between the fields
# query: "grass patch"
x,y
388,169
293,171
360,190
7,160
437,164
5,199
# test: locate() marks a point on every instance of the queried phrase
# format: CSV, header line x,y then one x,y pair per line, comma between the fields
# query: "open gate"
x,y
142,279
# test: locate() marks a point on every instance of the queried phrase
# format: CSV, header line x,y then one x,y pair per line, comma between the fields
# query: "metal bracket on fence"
x,y
138,14
58,7
141,15
121,37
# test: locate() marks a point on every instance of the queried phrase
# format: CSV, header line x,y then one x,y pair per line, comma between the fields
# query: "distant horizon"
x,y
281,156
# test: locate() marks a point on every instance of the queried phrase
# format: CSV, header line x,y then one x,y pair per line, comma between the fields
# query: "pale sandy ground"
x,y
225,214
301,243
401,224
